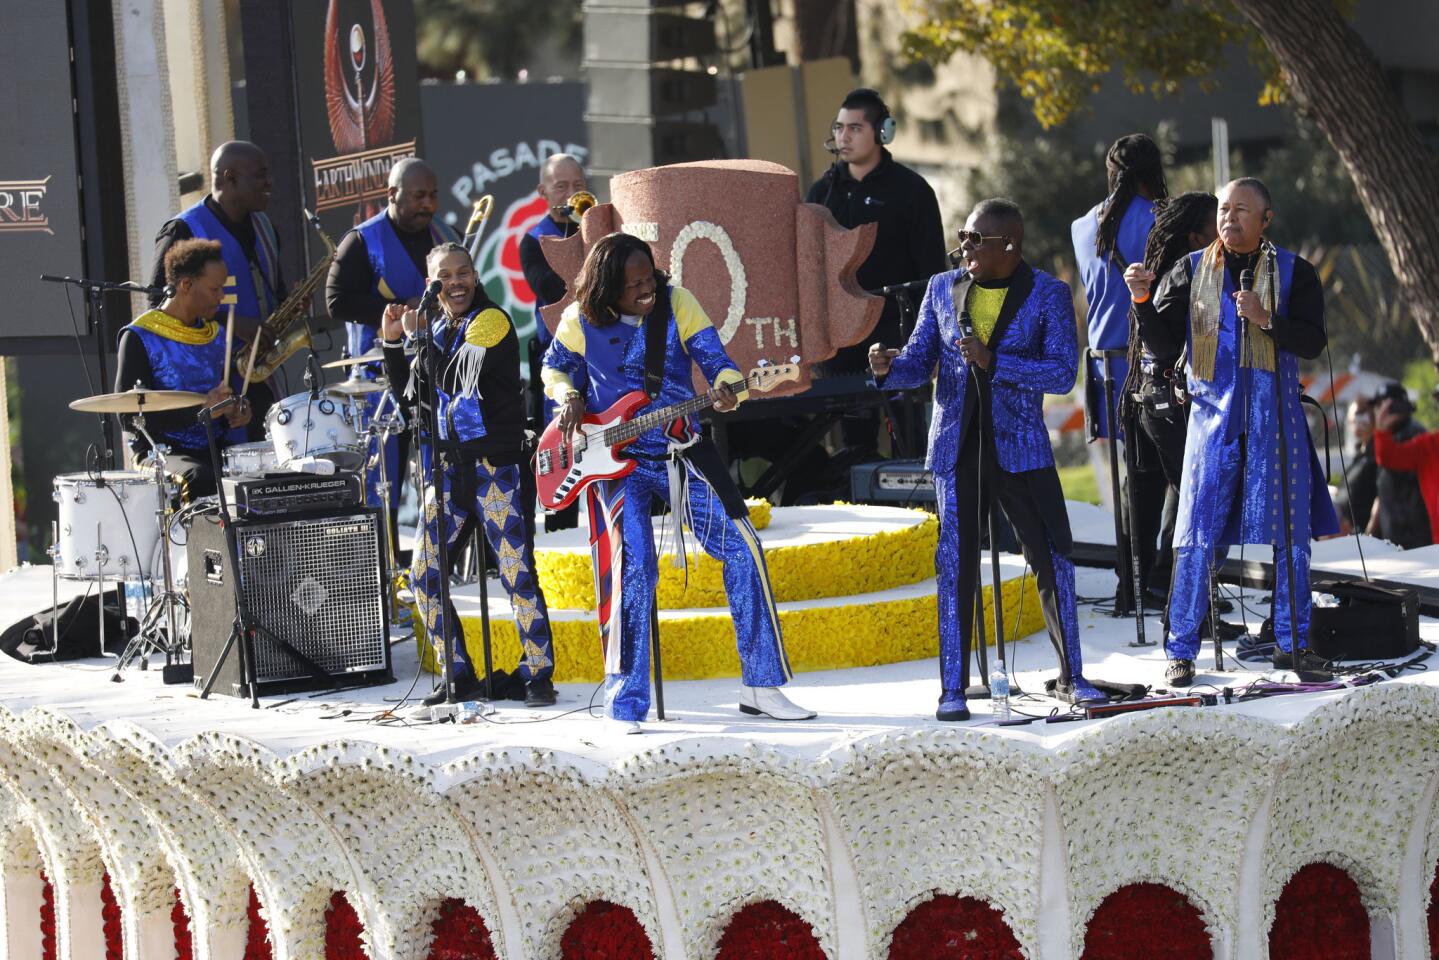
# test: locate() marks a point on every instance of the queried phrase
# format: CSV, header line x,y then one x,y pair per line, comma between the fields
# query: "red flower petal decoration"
x,y
110,920
460,933
1434,916
606,931
1320,914
47,919
342,930
184,948
768,931
257,938
1144,920
954,928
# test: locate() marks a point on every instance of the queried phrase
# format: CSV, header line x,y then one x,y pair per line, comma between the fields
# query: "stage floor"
x,y
853,705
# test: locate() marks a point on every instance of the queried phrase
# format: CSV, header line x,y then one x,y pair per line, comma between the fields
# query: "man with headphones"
x,y
867,185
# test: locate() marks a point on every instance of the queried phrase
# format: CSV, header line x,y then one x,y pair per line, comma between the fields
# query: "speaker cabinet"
x,y
311,580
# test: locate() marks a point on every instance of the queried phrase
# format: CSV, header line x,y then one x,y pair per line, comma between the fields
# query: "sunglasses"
x,y
976,239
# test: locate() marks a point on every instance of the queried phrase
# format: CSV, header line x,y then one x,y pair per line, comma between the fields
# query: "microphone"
x,y
831,147
1246,280
210,411
432,293
313,377
966,325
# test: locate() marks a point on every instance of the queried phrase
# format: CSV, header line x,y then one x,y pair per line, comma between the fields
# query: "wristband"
x,y
1143,299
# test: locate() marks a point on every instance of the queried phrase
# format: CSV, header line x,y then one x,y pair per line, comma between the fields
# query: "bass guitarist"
x,y
630,329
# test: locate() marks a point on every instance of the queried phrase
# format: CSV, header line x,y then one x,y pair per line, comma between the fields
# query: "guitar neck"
x,y
648,421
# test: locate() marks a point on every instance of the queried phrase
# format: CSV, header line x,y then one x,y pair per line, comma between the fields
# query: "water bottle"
x,y
999,691
468,712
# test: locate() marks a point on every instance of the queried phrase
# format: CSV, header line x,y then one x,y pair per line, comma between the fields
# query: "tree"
x,y
491,39
1056,52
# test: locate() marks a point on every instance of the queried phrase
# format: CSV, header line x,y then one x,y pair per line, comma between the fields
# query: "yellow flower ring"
x,y
855,587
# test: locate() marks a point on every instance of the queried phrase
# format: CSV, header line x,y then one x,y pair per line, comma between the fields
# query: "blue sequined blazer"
x,y
1036,352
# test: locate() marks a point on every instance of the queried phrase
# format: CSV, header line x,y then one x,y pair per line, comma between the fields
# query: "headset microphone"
x,y
831,147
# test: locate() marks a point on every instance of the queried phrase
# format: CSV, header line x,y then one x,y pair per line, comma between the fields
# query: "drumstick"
x,y
250,367
229,346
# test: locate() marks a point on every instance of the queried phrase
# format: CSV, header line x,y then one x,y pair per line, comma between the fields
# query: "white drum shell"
x,y
249,459
304,426
125,508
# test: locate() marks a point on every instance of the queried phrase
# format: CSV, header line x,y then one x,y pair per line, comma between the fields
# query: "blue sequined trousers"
x,y
494,496
731,541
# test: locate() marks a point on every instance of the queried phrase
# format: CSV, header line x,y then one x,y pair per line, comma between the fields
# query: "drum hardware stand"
x,y
381,427
54,551
159,631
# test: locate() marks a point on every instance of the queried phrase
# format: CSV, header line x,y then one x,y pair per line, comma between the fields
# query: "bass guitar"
x,y
565,465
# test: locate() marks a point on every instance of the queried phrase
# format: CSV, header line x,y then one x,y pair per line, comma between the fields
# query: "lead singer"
x,y
1230,490
991,382
618,294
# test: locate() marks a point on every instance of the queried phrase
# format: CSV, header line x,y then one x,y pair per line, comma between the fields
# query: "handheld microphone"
x,y
432,293
1246,280
966,325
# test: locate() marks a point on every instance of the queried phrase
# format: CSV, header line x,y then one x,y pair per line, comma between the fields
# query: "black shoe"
x,y
1180,673
1225,606
539,693
467,687
1283,659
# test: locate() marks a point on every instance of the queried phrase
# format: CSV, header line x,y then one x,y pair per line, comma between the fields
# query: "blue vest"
x,y
461,419
544,228
240,286
186,366
395,277
1104,287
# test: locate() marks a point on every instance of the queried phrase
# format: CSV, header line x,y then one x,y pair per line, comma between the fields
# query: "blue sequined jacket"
x,y
1036,351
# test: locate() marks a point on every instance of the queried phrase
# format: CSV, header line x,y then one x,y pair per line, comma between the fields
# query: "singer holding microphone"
x,y
1243,309
1003,335
475,363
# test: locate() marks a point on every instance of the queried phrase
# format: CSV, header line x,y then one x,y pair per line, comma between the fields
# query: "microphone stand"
x,y
95,291
1283,466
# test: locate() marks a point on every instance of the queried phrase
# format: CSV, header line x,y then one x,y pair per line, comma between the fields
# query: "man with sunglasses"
x,y
1002,335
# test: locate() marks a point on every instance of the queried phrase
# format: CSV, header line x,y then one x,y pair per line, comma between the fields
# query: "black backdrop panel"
x,y
39,199
357,95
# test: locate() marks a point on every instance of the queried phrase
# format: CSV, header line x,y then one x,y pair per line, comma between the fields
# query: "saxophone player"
x,y
233,214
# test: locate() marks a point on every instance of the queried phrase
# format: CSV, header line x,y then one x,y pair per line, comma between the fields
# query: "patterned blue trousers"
x,y
627,567
492,495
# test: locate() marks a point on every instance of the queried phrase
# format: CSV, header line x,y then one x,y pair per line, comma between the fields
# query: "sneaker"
x,y
1180,673
539,693
952,707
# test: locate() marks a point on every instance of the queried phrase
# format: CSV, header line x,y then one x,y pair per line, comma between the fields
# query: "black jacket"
x,y
909,246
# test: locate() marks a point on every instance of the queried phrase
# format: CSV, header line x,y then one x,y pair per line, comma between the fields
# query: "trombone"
x,y
577,205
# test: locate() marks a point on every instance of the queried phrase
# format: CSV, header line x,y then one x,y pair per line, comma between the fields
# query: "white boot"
x,y
618,727
770,702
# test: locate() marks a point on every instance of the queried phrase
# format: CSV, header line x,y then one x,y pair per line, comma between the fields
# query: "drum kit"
x,y
114,526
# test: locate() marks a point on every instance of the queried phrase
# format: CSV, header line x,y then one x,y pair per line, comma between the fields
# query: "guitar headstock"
x,y
767,376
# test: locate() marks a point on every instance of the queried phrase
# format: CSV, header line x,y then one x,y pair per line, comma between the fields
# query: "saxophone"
x,y
286,331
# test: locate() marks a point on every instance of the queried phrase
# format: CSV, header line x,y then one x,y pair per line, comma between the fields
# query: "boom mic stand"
x,y
429,356
95,291
1283,466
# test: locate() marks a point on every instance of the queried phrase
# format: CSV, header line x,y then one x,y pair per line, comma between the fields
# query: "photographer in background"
x,y
1406,502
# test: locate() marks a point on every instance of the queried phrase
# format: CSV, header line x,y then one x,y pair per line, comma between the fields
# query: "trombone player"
x,y
563,187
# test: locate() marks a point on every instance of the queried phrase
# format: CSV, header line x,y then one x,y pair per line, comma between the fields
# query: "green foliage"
x,y
491,39
1056,52
1079,483
1419,380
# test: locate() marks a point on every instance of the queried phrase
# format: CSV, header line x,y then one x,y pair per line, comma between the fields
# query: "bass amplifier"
x,y
891,481
313,581
1364,621
274,494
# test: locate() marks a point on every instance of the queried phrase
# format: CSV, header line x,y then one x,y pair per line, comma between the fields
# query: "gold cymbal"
x,y
355,388
138,401
376,355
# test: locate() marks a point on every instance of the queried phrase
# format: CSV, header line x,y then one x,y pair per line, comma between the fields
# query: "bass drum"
x,y
249,459
108,525
303,426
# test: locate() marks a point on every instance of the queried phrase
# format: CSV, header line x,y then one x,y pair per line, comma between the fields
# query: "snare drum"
x,y
108,525
306,426
249,459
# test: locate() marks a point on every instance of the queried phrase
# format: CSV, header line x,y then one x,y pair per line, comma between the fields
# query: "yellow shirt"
x,y
984,304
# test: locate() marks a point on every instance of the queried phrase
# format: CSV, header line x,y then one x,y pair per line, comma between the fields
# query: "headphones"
x,y
885,129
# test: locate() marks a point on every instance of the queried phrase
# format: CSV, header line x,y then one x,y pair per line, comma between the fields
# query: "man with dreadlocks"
x,y
1245,311
629,329
1149,399
1107,238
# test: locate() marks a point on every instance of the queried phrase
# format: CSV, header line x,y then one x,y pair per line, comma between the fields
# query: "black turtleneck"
x,y
350,288
1164,317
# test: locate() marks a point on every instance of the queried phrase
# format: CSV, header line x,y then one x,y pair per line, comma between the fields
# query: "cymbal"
x,y
355,388
376,355
138,401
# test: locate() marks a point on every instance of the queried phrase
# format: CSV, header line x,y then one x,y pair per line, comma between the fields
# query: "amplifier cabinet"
x,y
313,580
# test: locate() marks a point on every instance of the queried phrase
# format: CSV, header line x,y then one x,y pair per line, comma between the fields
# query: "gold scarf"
x,y
1206,294
163,325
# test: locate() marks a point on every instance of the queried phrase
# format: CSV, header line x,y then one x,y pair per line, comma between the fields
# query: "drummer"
x,y
179,346
382,261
